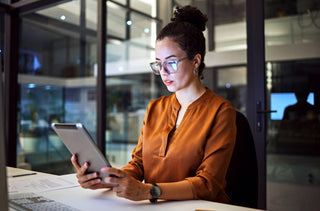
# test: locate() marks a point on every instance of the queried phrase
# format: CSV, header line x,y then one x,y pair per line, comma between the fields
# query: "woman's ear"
x,y
197,60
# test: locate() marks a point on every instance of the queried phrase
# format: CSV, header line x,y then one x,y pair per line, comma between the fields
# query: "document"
x,y
41,183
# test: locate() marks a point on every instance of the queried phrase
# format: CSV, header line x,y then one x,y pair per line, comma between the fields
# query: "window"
x,y
130,81
57,60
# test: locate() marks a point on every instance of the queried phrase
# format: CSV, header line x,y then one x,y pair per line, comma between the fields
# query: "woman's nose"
x,y
163,70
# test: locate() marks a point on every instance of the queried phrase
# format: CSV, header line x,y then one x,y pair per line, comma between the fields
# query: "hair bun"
x,y
191,15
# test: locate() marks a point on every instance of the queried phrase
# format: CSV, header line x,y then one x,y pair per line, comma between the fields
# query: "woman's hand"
x,y
88,181
127,186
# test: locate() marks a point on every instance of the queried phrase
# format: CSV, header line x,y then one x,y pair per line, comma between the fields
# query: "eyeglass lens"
x,y
169,66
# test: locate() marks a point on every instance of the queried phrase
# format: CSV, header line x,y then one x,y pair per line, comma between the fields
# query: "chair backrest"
x,y
242,175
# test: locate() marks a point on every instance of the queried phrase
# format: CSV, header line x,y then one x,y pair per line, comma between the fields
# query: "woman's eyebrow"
x,y
168,57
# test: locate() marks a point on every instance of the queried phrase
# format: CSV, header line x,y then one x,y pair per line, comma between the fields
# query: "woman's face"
x,y
166,50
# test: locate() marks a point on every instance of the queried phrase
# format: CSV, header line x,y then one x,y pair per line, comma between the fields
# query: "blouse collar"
x,y
176,105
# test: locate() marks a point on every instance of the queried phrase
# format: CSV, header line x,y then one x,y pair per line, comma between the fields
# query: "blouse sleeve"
x,y
209,182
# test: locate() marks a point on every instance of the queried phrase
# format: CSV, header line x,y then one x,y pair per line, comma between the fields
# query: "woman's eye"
x,y
171,62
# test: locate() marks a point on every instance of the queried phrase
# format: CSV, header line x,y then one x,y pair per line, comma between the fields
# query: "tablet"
x,y
79,142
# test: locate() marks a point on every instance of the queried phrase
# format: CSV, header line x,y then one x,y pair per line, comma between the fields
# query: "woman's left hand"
x,y
127,186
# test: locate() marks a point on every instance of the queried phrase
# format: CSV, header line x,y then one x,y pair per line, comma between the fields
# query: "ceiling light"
x,y
31,86
146,30
62,17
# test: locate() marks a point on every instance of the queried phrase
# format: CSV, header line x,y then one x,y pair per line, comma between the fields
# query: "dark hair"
x,y
186,28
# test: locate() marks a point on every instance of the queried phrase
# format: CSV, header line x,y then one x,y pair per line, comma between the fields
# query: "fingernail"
x,y
103,169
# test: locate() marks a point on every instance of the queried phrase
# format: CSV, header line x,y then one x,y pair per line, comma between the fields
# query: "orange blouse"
x,y
199,150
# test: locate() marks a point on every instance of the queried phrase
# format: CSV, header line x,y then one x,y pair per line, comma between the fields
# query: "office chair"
x,y
242,174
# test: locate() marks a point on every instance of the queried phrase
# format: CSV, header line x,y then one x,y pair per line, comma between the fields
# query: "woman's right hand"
x,y
88,181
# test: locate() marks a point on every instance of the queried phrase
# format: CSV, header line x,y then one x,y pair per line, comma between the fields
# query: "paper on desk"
x,y
41,183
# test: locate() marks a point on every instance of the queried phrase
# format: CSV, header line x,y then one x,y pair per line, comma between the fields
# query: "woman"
x,y
187,138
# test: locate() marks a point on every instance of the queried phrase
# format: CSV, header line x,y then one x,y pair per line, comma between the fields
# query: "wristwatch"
x,y
155,193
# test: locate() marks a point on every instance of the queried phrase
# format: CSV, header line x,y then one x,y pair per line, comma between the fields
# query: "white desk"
x,y
84,199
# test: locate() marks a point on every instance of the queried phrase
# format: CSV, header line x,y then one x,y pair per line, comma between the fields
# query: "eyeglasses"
x,y
170,66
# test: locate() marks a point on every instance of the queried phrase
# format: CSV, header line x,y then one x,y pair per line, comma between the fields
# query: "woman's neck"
x,y
188,96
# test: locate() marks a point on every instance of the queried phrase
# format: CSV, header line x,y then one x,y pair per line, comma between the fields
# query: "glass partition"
x,y
231,83
145,6
293,93
116,16
289,22
229,32
226,25
130,81
57,60
293,140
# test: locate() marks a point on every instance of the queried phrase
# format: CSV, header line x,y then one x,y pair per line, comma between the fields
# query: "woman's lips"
x,y
167,82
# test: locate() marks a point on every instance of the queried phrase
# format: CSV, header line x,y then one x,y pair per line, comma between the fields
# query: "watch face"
x,y
155,191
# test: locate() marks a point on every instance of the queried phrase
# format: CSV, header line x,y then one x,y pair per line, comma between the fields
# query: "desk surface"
x,y
84,199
